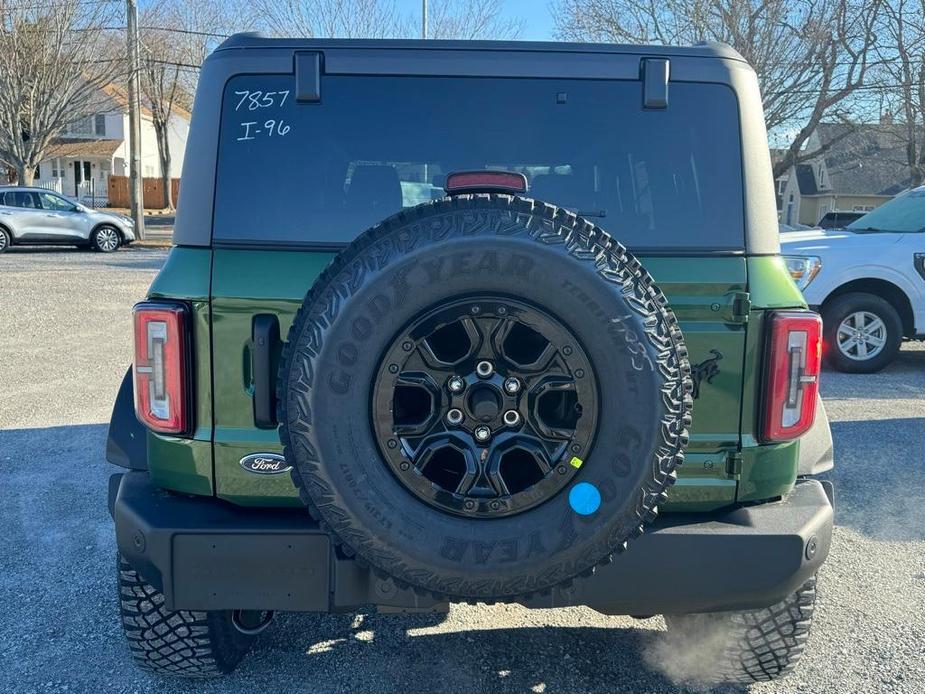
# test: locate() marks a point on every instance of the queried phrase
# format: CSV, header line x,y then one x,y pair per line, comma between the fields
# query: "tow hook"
x,y
240,621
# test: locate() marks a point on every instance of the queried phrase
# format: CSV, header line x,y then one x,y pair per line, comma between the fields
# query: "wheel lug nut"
x,y
454,417
456,384
482,434
512,386
512,418
484,369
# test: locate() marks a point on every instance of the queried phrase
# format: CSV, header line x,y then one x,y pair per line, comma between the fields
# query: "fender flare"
x,y
127,443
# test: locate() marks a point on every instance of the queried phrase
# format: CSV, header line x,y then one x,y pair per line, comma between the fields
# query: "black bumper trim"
x,y
206,554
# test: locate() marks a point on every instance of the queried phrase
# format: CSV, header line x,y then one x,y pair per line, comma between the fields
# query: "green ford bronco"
x,y
442,321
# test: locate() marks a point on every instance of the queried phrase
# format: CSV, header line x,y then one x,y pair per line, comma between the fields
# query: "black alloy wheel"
x,y
485,407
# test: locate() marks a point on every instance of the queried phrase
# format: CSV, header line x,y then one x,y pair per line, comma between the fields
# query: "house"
x,y
862,167
96,147
780,183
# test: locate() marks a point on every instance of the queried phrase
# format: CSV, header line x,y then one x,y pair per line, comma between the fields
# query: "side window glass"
x,y
22,199
53,202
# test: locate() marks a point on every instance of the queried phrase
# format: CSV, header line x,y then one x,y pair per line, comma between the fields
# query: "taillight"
x,y
792,378
161,389
485,182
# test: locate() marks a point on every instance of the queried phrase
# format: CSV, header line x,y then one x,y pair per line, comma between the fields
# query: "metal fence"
x,y
87,192
56,184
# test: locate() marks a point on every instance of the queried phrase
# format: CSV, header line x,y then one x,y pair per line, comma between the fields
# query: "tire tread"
x,y
188,643
546,224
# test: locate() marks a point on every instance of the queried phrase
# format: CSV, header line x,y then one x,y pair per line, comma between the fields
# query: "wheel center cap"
x,y
484,403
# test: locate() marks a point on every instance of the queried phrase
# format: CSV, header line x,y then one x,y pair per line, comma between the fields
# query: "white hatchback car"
x,y
868,281
38,216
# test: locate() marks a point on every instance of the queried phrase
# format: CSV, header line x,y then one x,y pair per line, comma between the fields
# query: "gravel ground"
x,y
64,344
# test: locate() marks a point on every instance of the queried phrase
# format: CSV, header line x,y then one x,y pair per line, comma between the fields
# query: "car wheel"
x,y
106,239
862,332
462,353
4,240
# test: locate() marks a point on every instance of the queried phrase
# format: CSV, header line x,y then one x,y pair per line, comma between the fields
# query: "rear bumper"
x,y
205,554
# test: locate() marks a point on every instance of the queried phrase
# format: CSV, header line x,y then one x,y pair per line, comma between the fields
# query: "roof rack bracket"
x,y
655,73
308,77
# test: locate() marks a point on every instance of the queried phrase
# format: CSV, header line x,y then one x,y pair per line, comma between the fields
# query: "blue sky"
x,y
538,24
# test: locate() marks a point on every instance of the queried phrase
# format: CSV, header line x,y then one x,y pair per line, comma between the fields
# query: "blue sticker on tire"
x,y
584,498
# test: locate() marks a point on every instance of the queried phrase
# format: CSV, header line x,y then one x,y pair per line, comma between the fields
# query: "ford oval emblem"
x,y
265,463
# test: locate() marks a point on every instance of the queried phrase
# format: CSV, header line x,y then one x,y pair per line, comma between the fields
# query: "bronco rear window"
x,y
322,173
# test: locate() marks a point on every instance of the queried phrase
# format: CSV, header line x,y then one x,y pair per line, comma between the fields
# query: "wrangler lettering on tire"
x,y
469,351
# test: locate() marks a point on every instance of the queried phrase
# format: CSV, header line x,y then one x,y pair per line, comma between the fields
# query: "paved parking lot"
x,y
64,344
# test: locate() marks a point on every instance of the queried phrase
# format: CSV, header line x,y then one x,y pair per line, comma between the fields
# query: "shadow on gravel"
x,y
131,258
60,631
879,477
403,652
139,259
904,378
44,250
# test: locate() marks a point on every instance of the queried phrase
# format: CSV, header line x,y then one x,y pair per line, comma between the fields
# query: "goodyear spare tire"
x,y
484,397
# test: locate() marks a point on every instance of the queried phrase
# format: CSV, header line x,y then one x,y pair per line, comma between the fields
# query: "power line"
x,y
172,30
186,31
817,92
57,5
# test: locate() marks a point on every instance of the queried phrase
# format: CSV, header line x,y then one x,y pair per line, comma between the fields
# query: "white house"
x,y
96,147
862,167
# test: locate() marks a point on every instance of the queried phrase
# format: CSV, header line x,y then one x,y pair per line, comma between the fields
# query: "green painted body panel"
x,y
770,287
702,291
248,282
766,471
183,465
770,284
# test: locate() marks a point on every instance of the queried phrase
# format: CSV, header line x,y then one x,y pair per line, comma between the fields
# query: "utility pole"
x,y
423,19
134,119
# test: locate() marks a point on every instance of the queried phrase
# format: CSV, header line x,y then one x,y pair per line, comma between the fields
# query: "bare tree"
x,y
812,57
328,18
471,19
54,60
177,36
903,50
376,19
160,85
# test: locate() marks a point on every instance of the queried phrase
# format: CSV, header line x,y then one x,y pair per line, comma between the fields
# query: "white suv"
x,y
867,279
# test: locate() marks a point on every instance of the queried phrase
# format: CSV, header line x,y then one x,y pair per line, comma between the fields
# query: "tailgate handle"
x,y
265,333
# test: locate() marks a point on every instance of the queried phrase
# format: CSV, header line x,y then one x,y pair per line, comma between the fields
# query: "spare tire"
x,y
484,397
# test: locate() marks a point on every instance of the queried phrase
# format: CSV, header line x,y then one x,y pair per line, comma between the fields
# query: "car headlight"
x,y
803,268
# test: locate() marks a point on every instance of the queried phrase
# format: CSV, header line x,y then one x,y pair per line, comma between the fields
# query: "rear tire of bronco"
x,y
753,645
862,332
484,397
4,239
187,643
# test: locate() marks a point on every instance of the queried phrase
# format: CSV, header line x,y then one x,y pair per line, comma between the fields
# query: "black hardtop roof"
x,y
713,50
255,54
